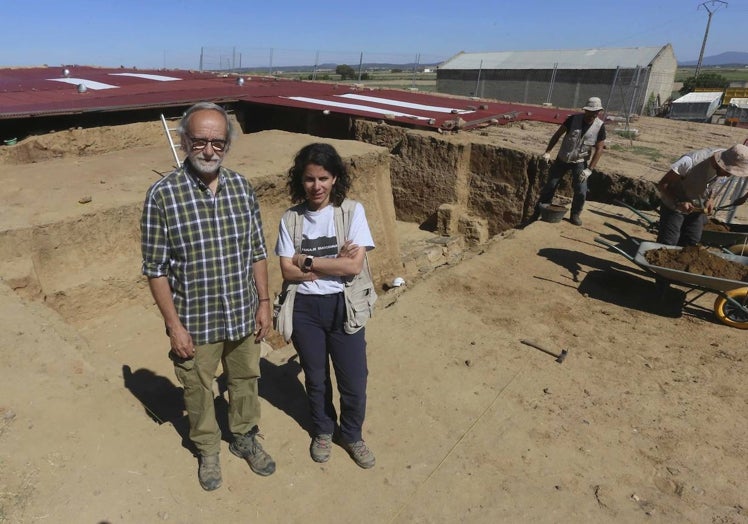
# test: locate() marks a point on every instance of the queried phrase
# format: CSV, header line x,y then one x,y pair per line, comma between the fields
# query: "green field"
x,y
731,74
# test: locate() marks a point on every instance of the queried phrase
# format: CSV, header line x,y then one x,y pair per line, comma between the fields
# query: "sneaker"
x,y
360,454
321,447
247,447
209,472
576,219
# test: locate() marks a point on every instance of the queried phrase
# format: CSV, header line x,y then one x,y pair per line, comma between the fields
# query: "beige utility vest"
x,y
575,146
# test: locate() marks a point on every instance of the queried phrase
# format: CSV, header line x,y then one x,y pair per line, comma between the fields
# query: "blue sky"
x,y
170,33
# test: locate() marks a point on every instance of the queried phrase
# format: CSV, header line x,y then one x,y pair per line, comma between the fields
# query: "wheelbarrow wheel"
x,y
730,314
739,249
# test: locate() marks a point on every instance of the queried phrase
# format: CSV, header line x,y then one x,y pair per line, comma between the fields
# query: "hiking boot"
x,y
360,454
321,447
209,472
247,447
576,219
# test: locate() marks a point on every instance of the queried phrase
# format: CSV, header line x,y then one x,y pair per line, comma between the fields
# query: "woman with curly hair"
x,y
322,245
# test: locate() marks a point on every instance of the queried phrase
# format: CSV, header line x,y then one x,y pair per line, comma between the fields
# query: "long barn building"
x,y
637,80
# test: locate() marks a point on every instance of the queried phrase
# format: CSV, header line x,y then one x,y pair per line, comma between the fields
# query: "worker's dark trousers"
x,y
677,229
318,332
555,174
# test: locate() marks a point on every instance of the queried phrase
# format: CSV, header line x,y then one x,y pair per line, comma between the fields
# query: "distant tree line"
x,y
346,72
714,80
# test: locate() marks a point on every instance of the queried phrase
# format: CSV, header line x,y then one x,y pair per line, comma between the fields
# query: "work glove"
x,y
547,157
584,175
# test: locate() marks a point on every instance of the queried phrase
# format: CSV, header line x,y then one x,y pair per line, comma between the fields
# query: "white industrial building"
x,y
637,80
696,106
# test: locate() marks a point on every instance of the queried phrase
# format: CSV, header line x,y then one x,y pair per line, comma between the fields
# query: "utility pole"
x,y
706,5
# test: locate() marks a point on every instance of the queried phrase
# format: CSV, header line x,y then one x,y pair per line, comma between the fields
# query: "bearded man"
x,y
204,255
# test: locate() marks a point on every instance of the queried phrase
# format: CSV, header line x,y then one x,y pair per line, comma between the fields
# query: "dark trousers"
x,y
677,229
555,174
318,334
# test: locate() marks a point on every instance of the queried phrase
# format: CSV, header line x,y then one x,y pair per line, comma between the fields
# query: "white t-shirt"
x,y
319,240
685,163
697,175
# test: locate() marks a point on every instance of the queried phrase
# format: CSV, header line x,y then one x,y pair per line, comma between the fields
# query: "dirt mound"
x,y
697,260
83,142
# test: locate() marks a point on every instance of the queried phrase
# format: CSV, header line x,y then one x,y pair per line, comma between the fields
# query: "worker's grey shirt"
x,y
697,173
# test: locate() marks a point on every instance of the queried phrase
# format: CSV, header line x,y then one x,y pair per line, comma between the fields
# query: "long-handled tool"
x,y
560,357
714,210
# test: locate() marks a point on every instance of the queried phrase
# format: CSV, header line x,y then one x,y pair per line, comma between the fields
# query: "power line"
x,y
718,3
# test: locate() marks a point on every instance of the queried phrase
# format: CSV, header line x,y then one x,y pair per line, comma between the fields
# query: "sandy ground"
x,y
644,420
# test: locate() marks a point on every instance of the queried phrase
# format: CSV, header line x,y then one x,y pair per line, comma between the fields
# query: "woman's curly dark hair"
x,y
325,156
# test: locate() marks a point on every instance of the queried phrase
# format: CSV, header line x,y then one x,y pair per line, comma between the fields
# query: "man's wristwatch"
x,y
308,261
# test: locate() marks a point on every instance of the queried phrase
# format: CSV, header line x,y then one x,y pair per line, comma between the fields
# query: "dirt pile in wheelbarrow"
x,y
716,225
697,260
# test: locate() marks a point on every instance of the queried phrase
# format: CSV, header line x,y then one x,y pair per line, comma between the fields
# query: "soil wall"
x,y
84,259
486,181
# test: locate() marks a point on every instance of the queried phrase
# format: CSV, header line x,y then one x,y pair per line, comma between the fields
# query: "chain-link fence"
x,y
314,64
623,90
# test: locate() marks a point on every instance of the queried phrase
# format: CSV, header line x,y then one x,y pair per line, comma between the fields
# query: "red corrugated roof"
x,y
34,92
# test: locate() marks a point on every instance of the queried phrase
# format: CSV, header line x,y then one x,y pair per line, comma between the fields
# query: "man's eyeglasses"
x,y
198,144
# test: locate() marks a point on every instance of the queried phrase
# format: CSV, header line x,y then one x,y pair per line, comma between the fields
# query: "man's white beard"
x,y
205,167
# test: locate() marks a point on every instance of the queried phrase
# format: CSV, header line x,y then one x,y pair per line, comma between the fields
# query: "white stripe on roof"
x,y
90,84
157,78
358,107
410,105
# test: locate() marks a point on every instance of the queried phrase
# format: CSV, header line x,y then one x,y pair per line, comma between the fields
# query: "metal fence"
x,y
315,63
637,90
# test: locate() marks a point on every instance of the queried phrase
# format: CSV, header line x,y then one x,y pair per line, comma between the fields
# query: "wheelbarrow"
x,y
730,306
735,240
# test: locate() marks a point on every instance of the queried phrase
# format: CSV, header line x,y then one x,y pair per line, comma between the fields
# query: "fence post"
x,y
636,89
612,87
415,67
553,81
477,82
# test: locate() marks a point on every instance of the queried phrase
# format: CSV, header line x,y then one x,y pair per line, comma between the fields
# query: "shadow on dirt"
x,y
650,225
624,286
163,402
161,399
576,262
632,292
281,386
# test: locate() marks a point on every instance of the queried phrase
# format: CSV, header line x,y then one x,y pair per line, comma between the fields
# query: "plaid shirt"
x,y
205,244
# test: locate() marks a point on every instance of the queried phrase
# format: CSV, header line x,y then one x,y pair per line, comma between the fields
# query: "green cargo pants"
x,y
241,362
